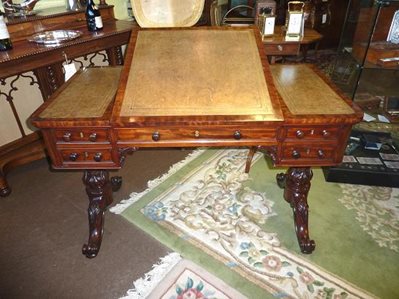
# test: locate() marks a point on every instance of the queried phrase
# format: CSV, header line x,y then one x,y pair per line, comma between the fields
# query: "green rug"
x,y
239,228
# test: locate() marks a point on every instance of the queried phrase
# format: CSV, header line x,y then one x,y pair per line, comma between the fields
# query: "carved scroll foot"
x,y
297,185
280,178
99,191
116,182
5,190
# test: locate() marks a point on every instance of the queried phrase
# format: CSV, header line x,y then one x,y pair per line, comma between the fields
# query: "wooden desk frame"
x,y
297,141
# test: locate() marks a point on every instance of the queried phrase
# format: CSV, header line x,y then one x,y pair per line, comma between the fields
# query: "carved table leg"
x,y
250,156
296,184
99,191
5,190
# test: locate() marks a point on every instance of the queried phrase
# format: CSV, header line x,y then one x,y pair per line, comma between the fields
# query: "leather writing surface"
x,y
88,94
197,72
304,92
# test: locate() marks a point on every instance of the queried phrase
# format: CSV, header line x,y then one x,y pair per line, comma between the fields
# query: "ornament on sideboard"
x,y
93,17
295,21
5,40
73,5
24,8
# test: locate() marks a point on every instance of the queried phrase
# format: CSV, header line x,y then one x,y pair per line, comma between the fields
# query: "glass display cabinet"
x,y
367,65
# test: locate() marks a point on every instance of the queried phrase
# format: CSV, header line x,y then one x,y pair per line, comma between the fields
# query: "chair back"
x,y
167,13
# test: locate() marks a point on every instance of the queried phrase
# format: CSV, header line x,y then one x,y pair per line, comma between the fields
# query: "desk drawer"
x,y
282,49
181,134
82,135
86,157
322,153
313,133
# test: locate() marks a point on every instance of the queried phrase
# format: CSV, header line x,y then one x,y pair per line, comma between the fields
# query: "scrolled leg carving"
x,y
99,191
296,183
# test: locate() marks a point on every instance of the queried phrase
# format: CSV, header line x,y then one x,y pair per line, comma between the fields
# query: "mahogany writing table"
x,y
197,87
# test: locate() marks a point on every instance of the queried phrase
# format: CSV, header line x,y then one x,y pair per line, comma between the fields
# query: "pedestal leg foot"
x,y
297,185
116,182
5,190
99,191
280,178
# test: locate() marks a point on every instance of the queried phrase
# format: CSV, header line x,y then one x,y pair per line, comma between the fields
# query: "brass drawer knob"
x,y
296,154
98,157
156,136
67,136
237,135
196,134
280,47
73,156
325,133
93,137
320,153
299,134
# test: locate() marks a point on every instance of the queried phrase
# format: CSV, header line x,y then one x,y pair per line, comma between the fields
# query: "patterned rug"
x,y
177,278
238,227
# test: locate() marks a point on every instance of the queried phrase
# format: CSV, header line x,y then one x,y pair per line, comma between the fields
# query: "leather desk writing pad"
x,y
304,92
197,72
99,86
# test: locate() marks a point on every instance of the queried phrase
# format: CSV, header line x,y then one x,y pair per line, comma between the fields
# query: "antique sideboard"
x,y
205,86
42,66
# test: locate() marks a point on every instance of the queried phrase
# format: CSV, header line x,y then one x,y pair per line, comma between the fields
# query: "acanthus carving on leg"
x,y
99,191
297,185
270,151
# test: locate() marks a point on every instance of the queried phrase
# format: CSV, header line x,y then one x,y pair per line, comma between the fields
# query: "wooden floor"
x,y
43,224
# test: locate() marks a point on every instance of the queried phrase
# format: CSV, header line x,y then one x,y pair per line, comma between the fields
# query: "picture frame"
x,y
295,21
295,26
393,34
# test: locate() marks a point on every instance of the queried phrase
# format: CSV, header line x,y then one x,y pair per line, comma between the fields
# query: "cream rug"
x,y
239,228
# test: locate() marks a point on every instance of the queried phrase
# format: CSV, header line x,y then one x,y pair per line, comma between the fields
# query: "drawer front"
x,y
282,49
308,153
148,135
81,157
313,133
82,135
